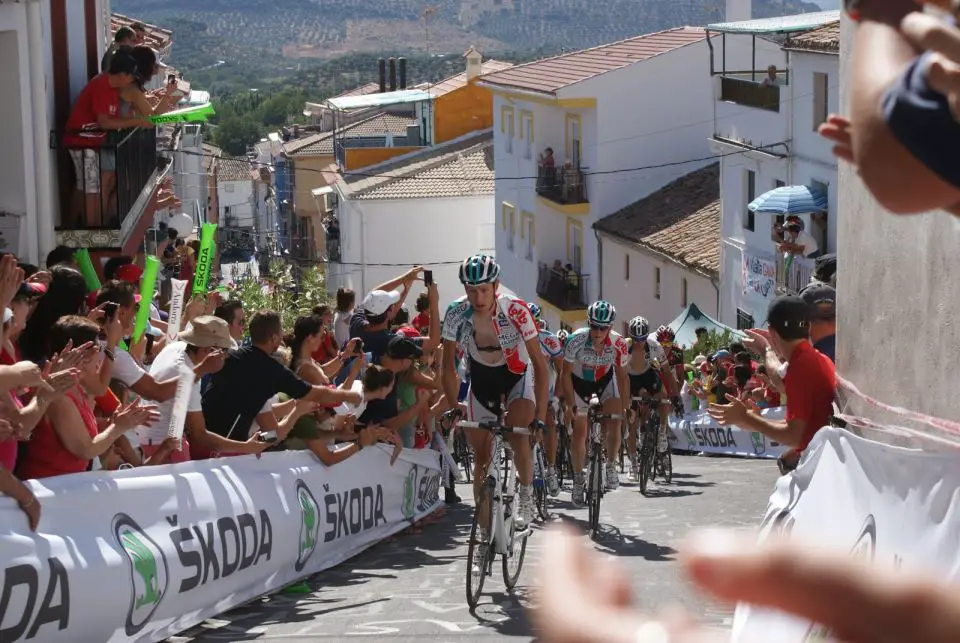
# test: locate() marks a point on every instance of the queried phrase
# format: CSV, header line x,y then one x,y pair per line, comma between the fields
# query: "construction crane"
x,y
427,15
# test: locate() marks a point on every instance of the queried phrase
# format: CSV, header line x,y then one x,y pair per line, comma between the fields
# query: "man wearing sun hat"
x,y
201,348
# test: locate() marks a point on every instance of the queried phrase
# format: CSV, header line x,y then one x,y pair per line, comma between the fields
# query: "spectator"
x,y
143,102
250,377
70,438
188,268
422,320
402,318
61,255
171,258
821,299
201,349
232,313
770,394
126,270
371,320
398,358
66,295
95,112
798,242
10,486
124,37
702,334
346,299
810,379
770,80
327,349
22,307
307,338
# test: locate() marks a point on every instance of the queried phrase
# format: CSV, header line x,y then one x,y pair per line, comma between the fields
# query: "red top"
x,y
9,448
46,456
326,351
96,99
811,384
422,320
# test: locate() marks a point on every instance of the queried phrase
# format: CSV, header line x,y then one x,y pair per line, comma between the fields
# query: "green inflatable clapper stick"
x,y
204,258
195,114
82,257
147,287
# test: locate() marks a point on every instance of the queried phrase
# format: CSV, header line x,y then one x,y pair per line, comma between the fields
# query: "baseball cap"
x,y
129,273
821,299
788,314
409,331
379,301
30,290
401,347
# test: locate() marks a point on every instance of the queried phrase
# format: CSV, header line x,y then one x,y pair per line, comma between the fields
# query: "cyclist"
x,y
648,369
500,345
553,352
665,337
594,358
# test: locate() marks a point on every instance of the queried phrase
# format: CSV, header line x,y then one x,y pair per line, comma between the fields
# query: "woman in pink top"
x,y
70,438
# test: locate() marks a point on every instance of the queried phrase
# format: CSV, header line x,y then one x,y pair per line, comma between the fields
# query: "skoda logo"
x,y
309,525
410,494
147,566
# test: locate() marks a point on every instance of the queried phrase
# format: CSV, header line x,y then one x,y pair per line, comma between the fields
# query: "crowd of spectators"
x,y
84,395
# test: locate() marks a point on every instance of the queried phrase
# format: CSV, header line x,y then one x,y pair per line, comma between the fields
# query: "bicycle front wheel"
x,y
667,466
595,490
540,485
513,559
647,455
477,574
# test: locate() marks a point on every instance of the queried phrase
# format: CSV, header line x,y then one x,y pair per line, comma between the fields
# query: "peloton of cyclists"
x,y
594,361
501,345
648,368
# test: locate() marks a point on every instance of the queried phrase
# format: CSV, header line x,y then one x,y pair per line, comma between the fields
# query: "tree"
x,y
235,134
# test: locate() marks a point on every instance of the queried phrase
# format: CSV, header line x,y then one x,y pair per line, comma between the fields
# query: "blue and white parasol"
x,y
790,199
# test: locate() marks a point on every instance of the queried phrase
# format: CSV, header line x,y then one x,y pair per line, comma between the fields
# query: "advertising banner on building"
x,y
142,554
892,506
699,432
759,276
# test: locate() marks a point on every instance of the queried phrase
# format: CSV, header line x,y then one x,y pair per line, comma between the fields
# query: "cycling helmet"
x,y
479,269
535,311
562,336
639,328
665,335
601,313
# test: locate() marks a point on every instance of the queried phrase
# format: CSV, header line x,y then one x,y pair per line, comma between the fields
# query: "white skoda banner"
x,y
698,431
142,554
893,506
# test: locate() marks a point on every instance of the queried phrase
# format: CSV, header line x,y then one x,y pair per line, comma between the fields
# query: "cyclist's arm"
x,y
671,377
449,380
566,382
623,383
540,382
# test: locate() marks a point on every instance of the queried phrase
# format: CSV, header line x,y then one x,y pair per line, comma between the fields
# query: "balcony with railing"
x,y
566,290
565,185
107,189
793,273
750,90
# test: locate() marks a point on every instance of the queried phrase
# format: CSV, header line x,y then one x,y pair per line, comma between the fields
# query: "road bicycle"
x,y
498,493
564,458
651,462
596,485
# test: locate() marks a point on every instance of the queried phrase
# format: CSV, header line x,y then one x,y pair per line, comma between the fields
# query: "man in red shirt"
x,y
95,112
810,379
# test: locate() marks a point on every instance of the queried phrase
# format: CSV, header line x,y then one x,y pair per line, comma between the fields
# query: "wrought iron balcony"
x,y
567,290
565,185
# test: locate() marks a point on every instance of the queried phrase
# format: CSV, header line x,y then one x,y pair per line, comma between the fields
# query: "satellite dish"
x,y
182,223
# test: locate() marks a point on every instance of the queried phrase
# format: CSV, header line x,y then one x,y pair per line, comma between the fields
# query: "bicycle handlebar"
x,y
600,416
493,427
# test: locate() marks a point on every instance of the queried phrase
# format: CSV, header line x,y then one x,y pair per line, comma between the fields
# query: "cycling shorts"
x,y
490,384
647,382
605,389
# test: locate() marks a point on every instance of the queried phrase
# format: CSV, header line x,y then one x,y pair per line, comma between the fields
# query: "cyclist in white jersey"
x,y
500,343
553,351
648,370
594,358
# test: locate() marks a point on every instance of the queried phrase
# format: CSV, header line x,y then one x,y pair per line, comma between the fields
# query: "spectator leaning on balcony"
x,y
770,80
95,113
125,37
809,378
148,103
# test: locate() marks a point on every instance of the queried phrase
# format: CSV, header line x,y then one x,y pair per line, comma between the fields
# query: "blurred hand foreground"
x,y
585,599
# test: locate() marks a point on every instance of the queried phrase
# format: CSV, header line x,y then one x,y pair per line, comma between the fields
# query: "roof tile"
x,y
157,37
552,74
681,220
457,81
321,144
234,169
826,39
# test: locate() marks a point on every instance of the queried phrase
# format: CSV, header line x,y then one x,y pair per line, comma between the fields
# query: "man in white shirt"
x,y
201,350
797,241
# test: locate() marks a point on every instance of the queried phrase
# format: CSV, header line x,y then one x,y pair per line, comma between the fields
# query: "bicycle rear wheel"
x,y
540,485
462,455
476,577
647,455
667,464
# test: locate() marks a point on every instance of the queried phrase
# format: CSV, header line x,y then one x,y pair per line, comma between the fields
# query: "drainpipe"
x,y
596,233
46,239
716,286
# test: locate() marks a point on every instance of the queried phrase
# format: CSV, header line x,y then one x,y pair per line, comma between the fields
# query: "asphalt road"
x,y
412,587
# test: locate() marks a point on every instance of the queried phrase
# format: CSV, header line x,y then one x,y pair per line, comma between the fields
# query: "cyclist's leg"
x,y
521,409
482,443
665,409
578,448
550,442
610,405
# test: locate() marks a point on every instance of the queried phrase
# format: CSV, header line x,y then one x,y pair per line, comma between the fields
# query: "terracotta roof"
x,y
157,37
211,155
234,169
362,90
448,85
321,144
681,220
460,168
825,39
551,74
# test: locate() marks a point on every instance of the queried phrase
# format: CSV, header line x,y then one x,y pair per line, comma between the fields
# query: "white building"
x,y
239,215
630,117
433,208
662,253
767,136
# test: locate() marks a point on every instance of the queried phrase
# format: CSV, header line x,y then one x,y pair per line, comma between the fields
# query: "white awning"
x,y
321,191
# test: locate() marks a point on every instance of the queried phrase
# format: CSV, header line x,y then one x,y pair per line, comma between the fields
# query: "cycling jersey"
x,y
654,356
514,327
590,365
552,348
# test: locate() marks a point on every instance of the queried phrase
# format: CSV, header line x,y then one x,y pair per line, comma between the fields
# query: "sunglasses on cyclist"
x,y
598,327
